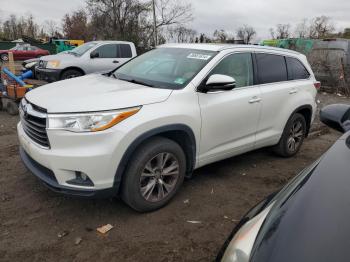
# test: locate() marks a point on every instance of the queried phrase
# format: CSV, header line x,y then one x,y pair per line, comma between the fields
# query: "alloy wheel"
x,y
296,136
159,177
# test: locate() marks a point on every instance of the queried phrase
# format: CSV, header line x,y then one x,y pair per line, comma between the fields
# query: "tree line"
x,y
132,20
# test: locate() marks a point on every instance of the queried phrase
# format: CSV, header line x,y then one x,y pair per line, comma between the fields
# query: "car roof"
x,y
221,47
110,42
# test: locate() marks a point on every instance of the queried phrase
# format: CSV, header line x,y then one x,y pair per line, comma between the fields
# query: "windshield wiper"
x,y
136,82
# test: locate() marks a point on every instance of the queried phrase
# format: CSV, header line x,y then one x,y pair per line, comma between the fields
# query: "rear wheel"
x,y
293,136
71,73
4,57
154,174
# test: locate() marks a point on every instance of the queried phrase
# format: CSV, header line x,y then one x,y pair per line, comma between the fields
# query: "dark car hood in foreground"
x,y
312,221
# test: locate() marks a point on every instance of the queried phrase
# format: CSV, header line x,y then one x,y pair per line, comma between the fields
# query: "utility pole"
x,y
154,24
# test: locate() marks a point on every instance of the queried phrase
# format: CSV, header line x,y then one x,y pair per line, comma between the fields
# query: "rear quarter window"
x,y
271,68
296,70
124,51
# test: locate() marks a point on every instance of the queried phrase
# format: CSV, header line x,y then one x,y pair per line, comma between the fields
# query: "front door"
x,y
104,58
230,118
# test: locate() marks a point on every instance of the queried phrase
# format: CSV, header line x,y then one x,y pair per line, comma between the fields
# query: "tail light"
x,y
317,85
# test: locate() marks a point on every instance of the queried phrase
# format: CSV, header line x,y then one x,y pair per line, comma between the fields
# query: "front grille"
x,y
42,64
33,119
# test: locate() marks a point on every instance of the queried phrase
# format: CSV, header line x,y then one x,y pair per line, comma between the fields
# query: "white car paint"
x,y
87,64
224,123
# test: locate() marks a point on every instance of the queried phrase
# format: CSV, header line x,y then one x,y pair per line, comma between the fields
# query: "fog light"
x,y
81,179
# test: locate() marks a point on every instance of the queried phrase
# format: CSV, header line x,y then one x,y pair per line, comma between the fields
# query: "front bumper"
x,y
48,178
91,154
49,75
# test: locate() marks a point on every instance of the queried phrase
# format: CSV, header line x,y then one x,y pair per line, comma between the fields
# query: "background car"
x,y
308,220
30,64
23,52
92,57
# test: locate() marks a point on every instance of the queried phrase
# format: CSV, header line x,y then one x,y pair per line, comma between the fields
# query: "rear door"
x,y
277,93
124,53
230,118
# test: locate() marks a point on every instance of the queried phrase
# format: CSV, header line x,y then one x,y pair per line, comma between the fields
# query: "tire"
x,y
71,73
145,179
4,57
12,108
293,136
1,105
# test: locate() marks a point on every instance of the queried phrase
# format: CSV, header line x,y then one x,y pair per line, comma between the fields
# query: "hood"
x,y
311,222
92,93
63,57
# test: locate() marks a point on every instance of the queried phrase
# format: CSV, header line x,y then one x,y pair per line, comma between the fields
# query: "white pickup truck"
x,y
92,57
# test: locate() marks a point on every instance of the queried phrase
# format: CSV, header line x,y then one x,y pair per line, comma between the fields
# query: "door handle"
x,y
293,91
115,62
255,100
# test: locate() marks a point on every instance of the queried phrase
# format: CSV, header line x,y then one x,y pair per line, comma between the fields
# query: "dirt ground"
x,y
32,217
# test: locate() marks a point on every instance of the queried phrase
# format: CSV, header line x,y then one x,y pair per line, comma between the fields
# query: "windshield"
x,y
171,68
79,51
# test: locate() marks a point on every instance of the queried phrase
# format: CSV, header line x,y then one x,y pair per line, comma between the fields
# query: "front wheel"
x,y
70,73
154,174
4,57
293,136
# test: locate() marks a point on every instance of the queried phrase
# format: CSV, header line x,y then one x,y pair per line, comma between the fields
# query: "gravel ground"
x,y
33,219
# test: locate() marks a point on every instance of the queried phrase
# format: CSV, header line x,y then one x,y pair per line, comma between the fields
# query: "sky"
x,y
210,14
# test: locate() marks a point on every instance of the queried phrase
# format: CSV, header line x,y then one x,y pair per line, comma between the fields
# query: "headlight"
x,y
89,122
31,64
240,247
53,64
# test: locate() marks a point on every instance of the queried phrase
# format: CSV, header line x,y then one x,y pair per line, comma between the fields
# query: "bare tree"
x,y
15,27
133,19
220,36
302,29
246,33
51,28
181,34
173,12
321,27
75,26
118,19
282,31
272,33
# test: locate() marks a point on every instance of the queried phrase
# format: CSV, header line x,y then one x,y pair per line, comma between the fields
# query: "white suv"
x,y
138,131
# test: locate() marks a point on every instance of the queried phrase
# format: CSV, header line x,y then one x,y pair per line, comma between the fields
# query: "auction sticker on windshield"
x,y
198,56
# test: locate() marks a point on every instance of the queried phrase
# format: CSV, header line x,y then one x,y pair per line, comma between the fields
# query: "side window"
x,y
296,70
107,51
239,66
271,68
124,51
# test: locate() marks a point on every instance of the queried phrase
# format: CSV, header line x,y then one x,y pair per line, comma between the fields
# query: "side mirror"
x,y
336,116
94,55
219,82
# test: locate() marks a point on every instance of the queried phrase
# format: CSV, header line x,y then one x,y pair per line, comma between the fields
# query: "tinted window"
x,y
238,66
124,51
107,51
296,70
271,68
